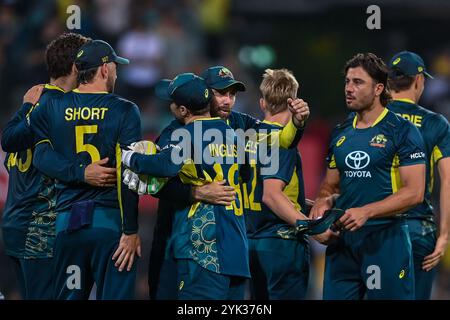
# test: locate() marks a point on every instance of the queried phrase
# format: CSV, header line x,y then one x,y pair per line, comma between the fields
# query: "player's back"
x,y
435,131
89,127
219,231
30,202
261,222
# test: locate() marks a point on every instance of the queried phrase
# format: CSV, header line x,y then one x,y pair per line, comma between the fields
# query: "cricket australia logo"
x,y
378,141
357,160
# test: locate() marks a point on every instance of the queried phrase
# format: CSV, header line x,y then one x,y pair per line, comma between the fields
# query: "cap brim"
x,y
313,227
428,75
162,90
229,83
121,60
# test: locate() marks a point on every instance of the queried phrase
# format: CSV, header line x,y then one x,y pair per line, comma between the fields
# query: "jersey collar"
x,y
405,100
98,92
53,87
380,117
273,123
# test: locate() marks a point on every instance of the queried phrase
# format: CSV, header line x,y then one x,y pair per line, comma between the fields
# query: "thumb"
x,y
289,101
103,161
222,182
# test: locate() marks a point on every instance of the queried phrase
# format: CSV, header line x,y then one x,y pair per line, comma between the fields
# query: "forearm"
x,y
282,207
159,165
401,201
129,207
327,192
291,134
444,226
56,166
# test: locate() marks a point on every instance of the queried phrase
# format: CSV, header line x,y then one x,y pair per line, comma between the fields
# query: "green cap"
x,y
95,53
185,89
219,78
407,63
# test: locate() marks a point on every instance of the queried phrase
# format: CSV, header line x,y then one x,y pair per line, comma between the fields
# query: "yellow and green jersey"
x,y
435,131
261,222
87,127
368,159
29,213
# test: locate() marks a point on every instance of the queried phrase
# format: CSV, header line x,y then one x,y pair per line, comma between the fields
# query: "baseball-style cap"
x,y
407,63
185,89
313,227
95,53
219,78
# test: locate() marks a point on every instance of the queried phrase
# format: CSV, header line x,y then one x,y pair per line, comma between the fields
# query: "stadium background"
x,y
166,37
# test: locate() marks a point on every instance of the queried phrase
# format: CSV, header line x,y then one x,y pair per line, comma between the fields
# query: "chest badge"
x,y
378,141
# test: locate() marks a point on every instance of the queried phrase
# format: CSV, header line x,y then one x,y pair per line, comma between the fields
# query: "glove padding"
x,y
142,184
313,227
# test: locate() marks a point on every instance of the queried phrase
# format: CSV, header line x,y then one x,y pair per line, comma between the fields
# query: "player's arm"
x,y
411,191
432,260
279,203
328,192
441,154
17,135
97,174
129,243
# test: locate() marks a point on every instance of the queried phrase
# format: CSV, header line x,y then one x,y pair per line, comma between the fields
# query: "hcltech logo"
x,y
357,160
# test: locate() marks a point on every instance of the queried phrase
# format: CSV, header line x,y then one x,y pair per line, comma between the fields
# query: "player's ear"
x,y
379,87
262,105
74,69
104,71
183,111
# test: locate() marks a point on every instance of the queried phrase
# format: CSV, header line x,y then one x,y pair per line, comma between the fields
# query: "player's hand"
x,y
33,94
432,260
319,207
214,193
129,246
354,218
97,174
300,110
327,238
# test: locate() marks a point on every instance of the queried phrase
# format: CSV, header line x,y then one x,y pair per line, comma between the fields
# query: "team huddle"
x,y
232,204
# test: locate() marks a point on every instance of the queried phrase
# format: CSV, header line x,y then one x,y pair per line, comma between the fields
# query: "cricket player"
x,y
209,241
406,81
376,165
273,202
29,215
96,239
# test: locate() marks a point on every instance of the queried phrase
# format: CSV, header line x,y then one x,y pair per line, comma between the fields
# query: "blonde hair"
x,y
276,87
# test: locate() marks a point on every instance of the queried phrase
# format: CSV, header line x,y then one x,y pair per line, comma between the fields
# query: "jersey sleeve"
x,y
330,159
410,145
441,148
17,135
286,165
131,126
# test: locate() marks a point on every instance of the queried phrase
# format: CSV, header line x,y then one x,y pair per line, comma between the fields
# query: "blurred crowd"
x,y
165,37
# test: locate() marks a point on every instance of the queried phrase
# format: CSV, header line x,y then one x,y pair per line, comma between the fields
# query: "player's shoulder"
x,y
344,125
124,105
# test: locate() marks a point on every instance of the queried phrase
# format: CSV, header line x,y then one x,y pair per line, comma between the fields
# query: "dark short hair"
x,y
401,82
86,76
61,53
376,68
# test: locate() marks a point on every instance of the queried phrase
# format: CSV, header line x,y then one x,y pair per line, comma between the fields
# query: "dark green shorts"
x,y
374,262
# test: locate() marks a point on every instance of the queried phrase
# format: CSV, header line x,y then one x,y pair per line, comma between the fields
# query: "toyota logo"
x,y
357,160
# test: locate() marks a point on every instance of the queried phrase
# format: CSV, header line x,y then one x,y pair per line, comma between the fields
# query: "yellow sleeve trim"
x,y
44,141
332,164
119,179
287,135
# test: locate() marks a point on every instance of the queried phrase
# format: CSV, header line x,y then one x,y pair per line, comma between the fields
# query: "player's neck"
x,y
192,118
405,95
366,118
92,87
281,117
66,83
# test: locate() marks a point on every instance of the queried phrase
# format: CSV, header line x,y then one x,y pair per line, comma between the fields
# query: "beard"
x,y
218,111
360,104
